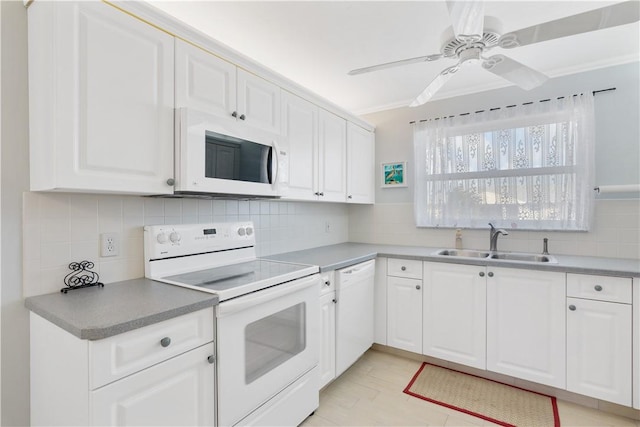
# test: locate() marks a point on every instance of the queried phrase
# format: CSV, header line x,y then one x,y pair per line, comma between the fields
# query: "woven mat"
x,y
490,400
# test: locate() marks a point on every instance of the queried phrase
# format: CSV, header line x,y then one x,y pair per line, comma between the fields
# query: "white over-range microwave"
x,y
219,157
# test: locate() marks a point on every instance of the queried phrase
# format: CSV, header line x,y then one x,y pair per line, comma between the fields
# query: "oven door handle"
x,y
266,295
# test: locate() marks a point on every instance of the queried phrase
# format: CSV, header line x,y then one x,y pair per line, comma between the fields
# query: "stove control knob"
x,y
249,231
162,237
241,231
175,237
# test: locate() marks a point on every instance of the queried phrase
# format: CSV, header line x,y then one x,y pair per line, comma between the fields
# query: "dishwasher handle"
x,y
364,269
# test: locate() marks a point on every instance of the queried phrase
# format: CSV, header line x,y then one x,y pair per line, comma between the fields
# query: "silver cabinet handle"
x,y
242,117
349,196
490,274
598,288
171,181
481,274
403,268
335,301
165,342
321,193
328,283
418,287
211,359
572,307
234,114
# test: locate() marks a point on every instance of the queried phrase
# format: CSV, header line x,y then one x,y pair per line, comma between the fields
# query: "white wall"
x,y
14,180
616,229
60,228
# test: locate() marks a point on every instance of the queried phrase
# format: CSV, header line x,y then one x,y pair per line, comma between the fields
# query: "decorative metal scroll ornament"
x,y
81,276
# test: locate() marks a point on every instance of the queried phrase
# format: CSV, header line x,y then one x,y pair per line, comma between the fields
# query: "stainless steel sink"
x,y
467,253
523,257
498,256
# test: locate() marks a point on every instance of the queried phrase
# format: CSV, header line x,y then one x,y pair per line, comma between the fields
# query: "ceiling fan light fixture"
x,y
470,56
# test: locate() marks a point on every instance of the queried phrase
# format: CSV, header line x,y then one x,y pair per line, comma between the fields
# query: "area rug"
x,y
490,400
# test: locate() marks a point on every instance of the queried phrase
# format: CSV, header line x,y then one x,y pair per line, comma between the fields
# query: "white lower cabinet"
x,y
526,324
80,382
404,304
177,392
599,339
454,304
327,364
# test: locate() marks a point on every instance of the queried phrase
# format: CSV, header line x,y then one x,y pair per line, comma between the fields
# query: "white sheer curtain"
x,y
526,167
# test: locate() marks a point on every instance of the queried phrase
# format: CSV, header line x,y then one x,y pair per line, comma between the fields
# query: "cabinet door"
x,y
360,169
204,81
103,121
599,350
300,136
454,304
404,313
179,391
258,102
526,324
332,156
327,338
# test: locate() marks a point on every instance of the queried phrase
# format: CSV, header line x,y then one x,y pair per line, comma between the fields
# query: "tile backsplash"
x,y
615,232
59,228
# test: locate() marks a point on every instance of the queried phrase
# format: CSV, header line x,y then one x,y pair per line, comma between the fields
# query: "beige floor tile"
x,y
370,393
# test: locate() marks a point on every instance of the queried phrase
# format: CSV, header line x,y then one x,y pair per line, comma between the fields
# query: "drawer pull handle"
x,y
490,274
403,268
165,342
418,287
211,359
572,307
598,288
481,274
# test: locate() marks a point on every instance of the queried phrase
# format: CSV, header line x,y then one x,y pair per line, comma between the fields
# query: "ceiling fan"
x,y
471,39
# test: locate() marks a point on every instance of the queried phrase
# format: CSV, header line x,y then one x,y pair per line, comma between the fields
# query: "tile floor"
x,y
370,394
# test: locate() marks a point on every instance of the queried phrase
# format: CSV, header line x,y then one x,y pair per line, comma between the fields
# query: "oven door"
x,y
266,340
220,156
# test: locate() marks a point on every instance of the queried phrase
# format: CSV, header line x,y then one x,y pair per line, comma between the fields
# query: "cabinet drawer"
x,y
602,288
121,355
327,282
411,269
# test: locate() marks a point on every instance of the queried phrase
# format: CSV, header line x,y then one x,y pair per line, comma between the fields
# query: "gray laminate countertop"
x,y
96,313
345,254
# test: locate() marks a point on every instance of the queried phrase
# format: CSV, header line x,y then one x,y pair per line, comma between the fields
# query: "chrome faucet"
x,y
493,237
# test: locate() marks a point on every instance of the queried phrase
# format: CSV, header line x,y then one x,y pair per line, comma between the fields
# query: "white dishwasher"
x,y
354,313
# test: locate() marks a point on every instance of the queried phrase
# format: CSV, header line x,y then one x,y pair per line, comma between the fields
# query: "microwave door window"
x,y
237,159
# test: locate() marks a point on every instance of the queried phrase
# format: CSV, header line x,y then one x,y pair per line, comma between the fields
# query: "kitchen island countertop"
x,y
96,313
341,255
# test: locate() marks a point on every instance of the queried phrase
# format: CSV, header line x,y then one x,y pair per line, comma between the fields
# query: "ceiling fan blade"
x,y
435,85
517,73
598,19
467,18
427,58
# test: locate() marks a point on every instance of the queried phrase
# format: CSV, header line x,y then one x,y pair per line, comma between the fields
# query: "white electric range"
x,y
267,321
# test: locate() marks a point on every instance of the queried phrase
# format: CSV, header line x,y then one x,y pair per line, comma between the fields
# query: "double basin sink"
x,y
499,256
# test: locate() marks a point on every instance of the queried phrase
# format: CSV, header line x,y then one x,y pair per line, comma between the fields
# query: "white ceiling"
x,y
315,43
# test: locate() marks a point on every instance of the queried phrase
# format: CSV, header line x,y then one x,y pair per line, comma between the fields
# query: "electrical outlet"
x,y
327,227
109,244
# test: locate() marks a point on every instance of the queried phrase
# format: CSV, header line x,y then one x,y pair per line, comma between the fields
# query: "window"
x,y
526,167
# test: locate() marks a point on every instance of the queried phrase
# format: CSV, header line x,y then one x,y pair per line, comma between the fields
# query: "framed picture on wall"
x,y
394,174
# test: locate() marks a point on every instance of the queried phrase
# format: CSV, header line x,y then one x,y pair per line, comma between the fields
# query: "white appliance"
x,y
267,321
214,156
354,313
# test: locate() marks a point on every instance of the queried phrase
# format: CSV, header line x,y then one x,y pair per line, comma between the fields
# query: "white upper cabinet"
x,y
101,86
360,166
332,157
204,81
526,324
258,102
316,141
212,85
300,137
